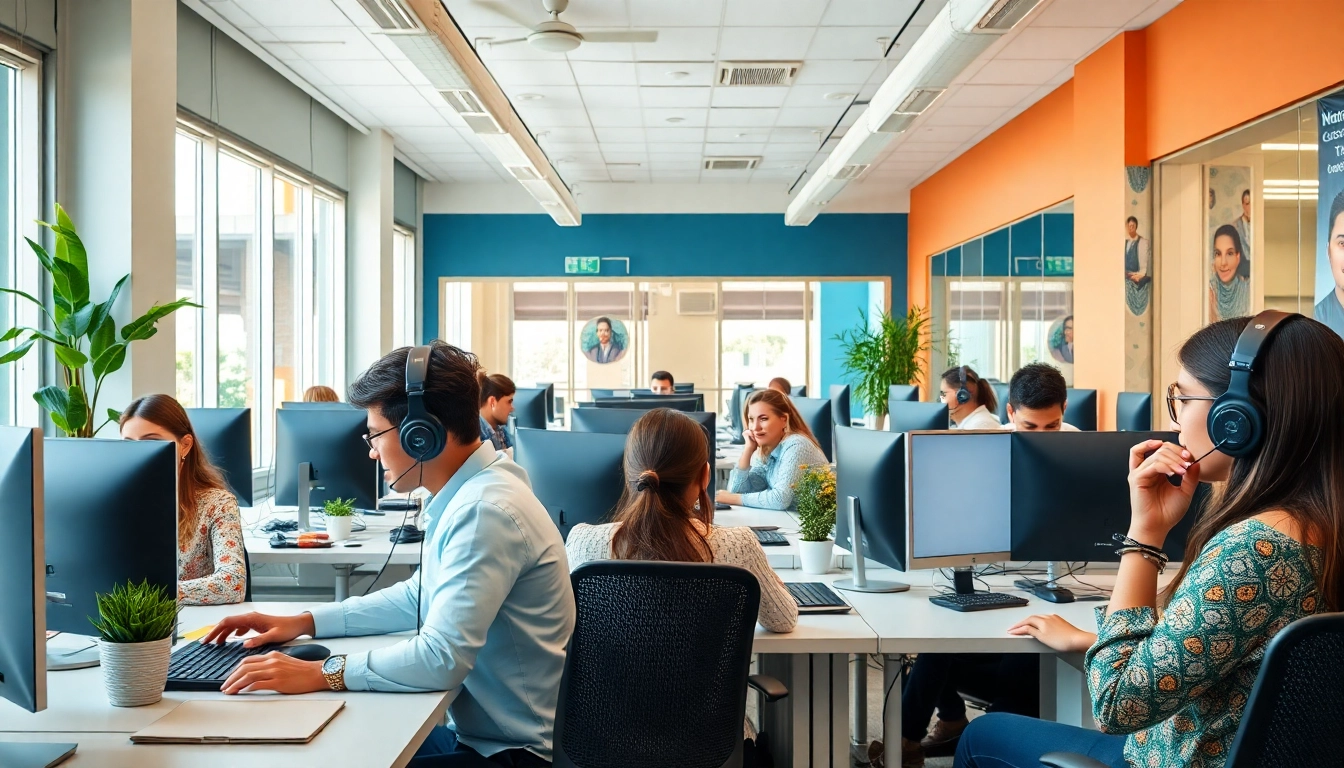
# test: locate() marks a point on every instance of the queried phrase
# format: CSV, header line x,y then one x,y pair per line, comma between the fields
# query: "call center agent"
x,y
780,385
970,399
492,590
1266,552
497,392
661,383
779,447
1037,399
210,565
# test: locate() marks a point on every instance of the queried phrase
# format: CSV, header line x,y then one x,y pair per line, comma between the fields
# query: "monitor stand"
x,y
860,582
1049,590
307,484
15,754
70,651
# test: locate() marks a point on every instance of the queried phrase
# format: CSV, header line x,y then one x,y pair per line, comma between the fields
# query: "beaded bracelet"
x,y
1125,541
1158,562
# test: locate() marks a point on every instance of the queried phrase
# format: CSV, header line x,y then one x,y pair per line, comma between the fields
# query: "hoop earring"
x,y
697,505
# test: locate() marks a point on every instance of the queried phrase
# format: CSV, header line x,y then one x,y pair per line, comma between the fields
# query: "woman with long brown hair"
x,y
665,514
779,448
1264,553
210,565
320,393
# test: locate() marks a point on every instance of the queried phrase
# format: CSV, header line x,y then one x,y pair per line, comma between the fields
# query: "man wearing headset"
x,y
495,602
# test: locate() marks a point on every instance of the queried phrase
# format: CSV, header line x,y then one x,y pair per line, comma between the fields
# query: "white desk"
x,y
77,705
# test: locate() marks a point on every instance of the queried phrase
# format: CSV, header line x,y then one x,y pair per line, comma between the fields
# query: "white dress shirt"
x,y
980,418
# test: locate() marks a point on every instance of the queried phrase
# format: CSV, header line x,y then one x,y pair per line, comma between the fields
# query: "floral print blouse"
x,y
210,566
1178,683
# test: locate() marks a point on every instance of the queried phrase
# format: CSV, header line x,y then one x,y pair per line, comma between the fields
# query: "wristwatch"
x,y
333,669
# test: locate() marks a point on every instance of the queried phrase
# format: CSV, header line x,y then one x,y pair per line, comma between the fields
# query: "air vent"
x,y
697,303
731,163
463,102
757,72
896,122
919,100
850,172
390,15
524,172
1005,14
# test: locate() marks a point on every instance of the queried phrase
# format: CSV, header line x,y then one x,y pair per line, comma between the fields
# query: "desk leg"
x,y
892,667
1064,694
343,581
808,728
858,706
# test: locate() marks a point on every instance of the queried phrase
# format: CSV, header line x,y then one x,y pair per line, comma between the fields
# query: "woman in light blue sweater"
x,y
779,448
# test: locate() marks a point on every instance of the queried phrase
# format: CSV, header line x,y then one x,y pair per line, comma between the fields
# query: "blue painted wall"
x,y
840,305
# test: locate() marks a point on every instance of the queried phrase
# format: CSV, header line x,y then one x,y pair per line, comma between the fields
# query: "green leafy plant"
x,y
875,356
814,496
339,507
83,334
135,613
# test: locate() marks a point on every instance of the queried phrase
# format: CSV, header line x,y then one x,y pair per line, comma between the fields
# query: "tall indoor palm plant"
x,y
877,355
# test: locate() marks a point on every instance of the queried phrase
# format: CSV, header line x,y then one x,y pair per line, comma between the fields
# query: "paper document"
x,y
269,720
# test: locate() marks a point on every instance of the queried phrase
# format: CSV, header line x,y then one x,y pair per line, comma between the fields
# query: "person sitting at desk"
x,y
779,447
1037,399
661,383
780,385
496,604
970,399
497,391
320,393
1170,688
210,564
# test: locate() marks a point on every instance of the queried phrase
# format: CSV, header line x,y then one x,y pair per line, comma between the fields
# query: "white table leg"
x,y
1069,700
858,705
809,729
343,581
891,708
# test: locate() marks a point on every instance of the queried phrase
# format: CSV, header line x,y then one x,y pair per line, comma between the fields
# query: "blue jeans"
x,y
442,750
1012,741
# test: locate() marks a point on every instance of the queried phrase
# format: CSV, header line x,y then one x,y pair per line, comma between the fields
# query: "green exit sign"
x,y
583,265
1058,266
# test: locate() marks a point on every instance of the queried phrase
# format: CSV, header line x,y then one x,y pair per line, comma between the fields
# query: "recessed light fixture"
x,y
676,119
530,96
678,74
740,135
839,96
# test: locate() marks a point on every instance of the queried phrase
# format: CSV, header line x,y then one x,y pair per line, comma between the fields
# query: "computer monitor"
x,y
1001,395
111,517
226,437
816,412
870,469
687,403
302,406
1070,493
331,443
840,412
1081,410
798,390
959,502
529,408
577,475
902,393
596,393
683,388
735,406
550,399
619,421
905,416
1133,412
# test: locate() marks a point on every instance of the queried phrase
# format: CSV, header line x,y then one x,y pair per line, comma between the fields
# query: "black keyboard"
x,y
814,595
771,538
197,667
979,601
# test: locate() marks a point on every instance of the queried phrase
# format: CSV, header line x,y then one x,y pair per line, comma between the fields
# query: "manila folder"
x,y
269,720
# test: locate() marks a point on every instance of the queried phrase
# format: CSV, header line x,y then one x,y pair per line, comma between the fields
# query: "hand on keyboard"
x,y
276,672
271,629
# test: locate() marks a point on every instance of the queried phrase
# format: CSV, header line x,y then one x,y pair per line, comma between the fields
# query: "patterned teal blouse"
x,y
1178,683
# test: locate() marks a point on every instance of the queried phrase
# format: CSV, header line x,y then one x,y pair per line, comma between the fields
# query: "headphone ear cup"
x,y
421,438
963,395
1236,426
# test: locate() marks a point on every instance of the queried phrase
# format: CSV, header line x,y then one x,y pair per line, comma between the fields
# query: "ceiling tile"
x,y
386,96
690,118
552,96
615,118
588,13
310,72
750,96
674,97
851,74
324,51
775,154
426,136
1055,43
1019,71
858,13
671,137
849,43
514,73
683,164
931,146
988,95
764,43
661,73
624,149
604,73
540,117
733,149
1088,13
570,134
815,96
681,13
809,117
963,116
746,118
608,136
603,52
776,13
959,134
426,117
749,135
680,44
601,96
294,13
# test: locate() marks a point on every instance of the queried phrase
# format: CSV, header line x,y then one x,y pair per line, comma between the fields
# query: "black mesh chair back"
x,y
656,674
247,575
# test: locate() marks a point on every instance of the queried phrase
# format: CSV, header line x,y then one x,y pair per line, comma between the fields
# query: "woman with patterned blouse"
x,y
1169,688
779,447
210,564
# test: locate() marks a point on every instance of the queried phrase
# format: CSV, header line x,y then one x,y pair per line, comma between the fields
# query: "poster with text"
x,y
1330,214
1228,247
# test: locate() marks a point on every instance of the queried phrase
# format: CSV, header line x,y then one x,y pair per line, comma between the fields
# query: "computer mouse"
x,y
307,652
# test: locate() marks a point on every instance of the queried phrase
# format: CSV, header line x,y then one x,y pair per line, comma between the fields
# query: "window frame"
x,y
25,147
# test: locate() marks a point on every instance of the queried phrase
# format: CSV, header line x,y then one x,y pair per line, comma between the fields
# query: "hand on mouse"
x,y
275,671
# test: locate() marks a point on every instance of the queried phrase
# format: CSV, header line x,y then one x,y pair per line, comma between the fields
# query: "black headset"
x,y
422,435
963,394
1236,424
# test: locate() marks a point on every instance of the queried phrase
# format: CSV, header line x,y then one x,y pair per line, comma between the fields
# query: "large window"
x,y
260,246
20,157
405,288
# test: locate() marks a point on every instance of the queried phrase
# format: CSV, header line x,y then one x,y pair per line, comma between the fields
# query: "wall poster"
x,y
1330,214
1139,275
1228,246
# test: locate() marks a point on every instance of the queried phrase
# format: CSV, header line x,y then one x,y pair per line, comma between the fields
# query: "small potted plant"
x,y
814,495
340,517
136,626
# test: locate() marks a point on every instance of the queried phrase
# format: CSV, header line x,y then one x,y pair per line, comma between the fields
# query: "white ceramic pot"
x,y
135,674
817,556
338,528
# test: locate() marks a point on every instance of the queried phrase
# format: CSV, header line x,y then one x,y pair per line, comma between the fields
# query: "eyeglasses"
x,y
1173,399
368,439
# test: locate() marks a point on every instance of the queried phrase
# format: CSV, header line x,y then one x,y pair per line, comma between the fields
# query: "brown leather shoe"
x,y
912,754
944,732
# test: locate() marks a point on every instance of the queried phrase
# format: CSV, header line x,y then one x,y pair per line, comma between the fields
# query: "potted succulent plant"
x,y
814,496
340,515
135,624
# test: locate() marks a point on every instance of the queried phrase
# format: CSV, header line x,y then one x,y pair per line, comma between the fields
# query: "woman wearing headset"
x,y
1169,689
970,399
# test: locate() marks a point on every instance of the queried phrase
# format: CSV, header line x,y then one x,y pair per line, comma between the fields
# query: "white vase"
x,y
135,674
338,528
817,556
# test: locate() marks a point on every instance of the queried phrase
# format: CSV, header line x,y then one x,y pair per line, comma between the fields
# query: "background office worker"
x,y
970,399
661,383
496,603
497,392
210,565
780,385
1265,552
778,448
320,393
1037,399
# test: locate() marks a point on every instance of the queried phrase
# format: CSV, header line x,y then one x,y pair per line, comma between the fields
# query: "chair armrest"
x,y
770,688
1069,760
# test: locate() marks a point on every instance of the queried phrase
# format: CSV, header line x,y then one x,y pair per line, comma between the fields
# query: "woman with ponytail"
x,y
975,412
665,513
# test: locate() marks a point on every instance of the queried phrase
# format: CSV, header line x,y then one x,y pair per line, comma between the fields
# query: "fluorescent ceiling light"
x,y
1271,146
1005,14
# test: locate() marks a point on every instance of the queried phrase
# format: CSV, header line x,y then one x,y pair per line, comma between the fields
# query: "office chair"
x,y
1081,410
1133,412
1293,715
247,569
1001,394
656,673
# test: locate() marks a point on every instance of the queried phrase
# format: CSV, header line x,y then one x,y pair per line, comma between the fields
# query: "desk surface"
x,y
373,548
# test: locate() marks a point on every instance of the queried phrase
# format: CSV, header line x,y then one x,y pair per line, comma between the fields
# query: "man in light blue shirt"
x,y
492,598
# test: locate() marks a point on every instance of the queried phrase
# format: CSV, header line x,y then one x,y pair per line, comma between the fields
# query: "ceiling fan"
x,y
556,36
